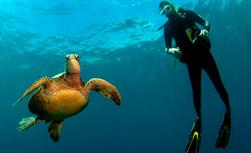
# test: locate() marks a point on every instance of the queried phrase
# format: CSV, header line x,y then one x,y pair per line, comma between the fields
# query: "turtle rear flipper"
x,y
37,84
55,130
26,123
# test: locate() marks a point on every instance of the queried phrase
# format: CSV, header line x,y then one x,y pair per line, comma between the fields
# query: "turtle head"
x,y
72,65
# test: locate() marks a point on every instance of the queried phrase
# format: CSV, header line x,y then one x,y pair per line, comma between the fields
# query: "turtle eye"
x,y
77,57
66,57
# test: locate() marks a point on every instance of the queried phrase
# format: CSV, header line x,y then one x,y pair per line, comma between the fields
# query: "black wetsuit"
x,y
195,56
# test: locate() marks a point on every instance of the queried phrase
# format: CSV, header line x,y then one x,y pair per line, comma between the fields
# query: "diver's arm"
x,y
168,38
198,19
174,51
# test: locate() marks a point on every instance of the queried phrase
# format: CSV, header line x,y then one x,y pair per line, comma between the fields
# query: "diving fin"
x,y
224,133
193,145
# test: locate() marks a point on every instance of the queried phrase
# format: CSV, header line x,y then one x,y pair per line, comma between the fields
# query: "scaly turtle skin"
x,y
62,96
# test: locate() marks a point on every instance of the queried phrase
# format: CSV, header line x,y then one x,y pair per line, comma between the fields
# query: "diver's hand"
x,y
204,33
174,52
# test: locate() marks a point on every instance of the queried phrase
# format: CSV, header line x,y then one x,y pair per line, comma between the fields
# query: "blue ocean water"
x,y
118,40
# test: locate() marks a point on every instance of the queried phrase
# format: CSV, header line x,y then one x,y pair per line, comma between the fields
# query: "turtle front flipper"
x,y
55,130
105,88
42,82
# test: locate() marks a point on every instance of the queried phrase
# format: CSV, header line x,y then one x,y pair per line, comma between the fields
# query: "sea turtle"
x,y
62,96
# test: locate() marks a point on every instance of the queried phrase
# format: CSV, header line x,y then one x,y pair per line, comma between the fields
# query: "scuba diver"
x,y
192,47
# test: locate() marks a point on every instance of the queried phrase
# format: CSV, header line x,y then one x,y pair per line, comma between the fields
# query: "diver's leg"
x,y
194,71
213,72
55,130
211,68
26,123
193,144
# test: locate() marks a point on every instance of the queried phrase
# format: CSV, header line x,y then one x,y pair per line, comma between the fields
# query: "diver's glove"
x,y
202,40
174,52
203,33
